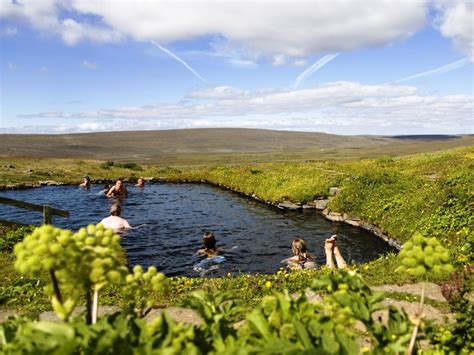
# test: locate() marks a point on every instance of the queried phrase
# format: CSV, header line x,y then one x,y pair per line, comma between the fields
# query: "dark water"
x,y
258,237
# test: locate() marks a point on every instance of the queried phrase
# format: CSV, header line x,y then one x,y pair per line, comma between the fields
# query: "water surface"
x,y
175,216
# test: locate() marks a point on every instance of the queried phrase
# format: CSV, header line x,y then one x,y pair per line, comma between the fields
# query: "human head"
x,y
119,183
209,241
87,178
298,247
115,210
140,181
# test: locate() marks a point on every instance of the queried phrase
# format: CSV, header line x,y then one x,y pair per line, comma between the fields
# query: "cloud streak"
x,y
174,56
89,65
314,68
441,70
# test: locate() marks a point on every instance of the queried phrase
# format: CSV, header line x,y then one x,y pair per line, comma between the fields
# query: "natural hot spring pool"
x,y
177,215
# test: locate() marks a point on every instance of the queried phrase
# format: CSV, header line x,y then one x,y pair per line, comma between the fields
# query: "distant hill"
x,y
195,146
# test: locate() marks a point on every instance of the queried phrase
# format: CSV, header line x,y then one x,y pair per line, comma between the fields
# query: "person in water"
x,y
301,259
209,249
86,183
118,190
114,221
330,248
140,182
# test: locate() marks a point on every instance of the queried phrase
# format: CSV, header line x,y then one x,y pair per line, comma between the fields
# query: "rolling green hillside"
x,y
210,146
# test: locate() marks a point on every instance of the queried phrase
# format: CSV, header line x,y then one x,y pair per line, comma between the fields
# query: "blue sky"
x,y
339,67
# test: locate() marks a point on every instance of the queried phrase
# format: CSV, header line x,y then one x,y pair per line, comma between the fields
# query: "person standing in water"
x,y
140,182
118,190
114,221
86,183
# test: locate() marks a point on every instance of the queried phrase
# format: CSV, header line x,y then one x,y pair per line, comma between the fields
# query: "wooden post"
x,y
47,215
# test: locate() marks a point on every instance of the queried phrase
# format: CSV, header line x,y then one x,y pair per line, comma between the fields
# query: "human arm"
x,y
110,193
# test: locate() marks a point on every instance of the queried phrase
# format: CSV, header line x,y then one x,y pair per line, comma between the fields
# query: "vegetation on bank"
x,y
346,318
429,194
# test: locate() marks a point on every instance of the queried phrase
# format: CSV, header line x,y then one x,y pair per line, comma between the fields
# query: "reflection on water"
x,y
175,216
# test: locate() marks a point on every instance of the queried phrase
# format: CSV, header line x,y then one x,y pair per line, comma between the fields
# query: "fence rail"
x,y
48,211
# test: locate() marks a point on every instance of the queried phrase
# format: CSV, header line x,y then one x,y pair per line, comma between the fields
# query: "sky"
x,y
381,67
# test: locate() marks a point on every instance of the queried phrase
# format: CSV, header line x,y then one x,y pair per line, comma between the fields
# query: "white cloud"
x,y
89,65
279,60
299,63
260,29
11,66
455,21
46,16
242,63
9,31
340,107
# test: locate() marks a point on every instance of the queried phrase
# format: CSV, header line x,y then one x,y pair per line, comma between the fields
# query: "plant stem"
x,y
95,304
54,280
418,321
88,307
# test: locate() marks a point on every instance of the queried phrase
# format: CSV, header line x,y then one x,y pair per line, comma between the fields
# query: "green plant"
x,y
419,257
11,237
78,264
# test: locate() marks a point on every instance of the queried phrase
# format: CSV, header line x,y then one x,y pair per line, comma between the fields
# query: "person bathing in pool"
x,y
140,182
114,221
210,248
301,259
118,190
86,183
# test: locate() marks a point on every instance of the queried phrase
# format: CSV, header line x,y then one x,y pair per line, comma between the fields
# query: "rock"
x,y
178,314
333,216
333,191
288,205
353,221
321,204
50,183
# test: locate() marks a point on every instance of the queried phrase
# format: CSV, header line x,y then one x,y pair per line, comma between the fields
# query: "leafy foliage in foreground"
x,y
346,314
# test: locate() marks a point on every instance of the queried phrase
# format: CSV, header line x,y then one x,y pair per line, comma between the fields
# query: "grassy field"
x,y
428,193
204,147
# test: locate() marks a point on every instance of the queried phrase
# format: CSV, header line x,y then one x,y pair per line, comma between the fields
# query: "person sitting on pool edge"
x,y
209,249
140,182
301,259
114,221
118,190
86,183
